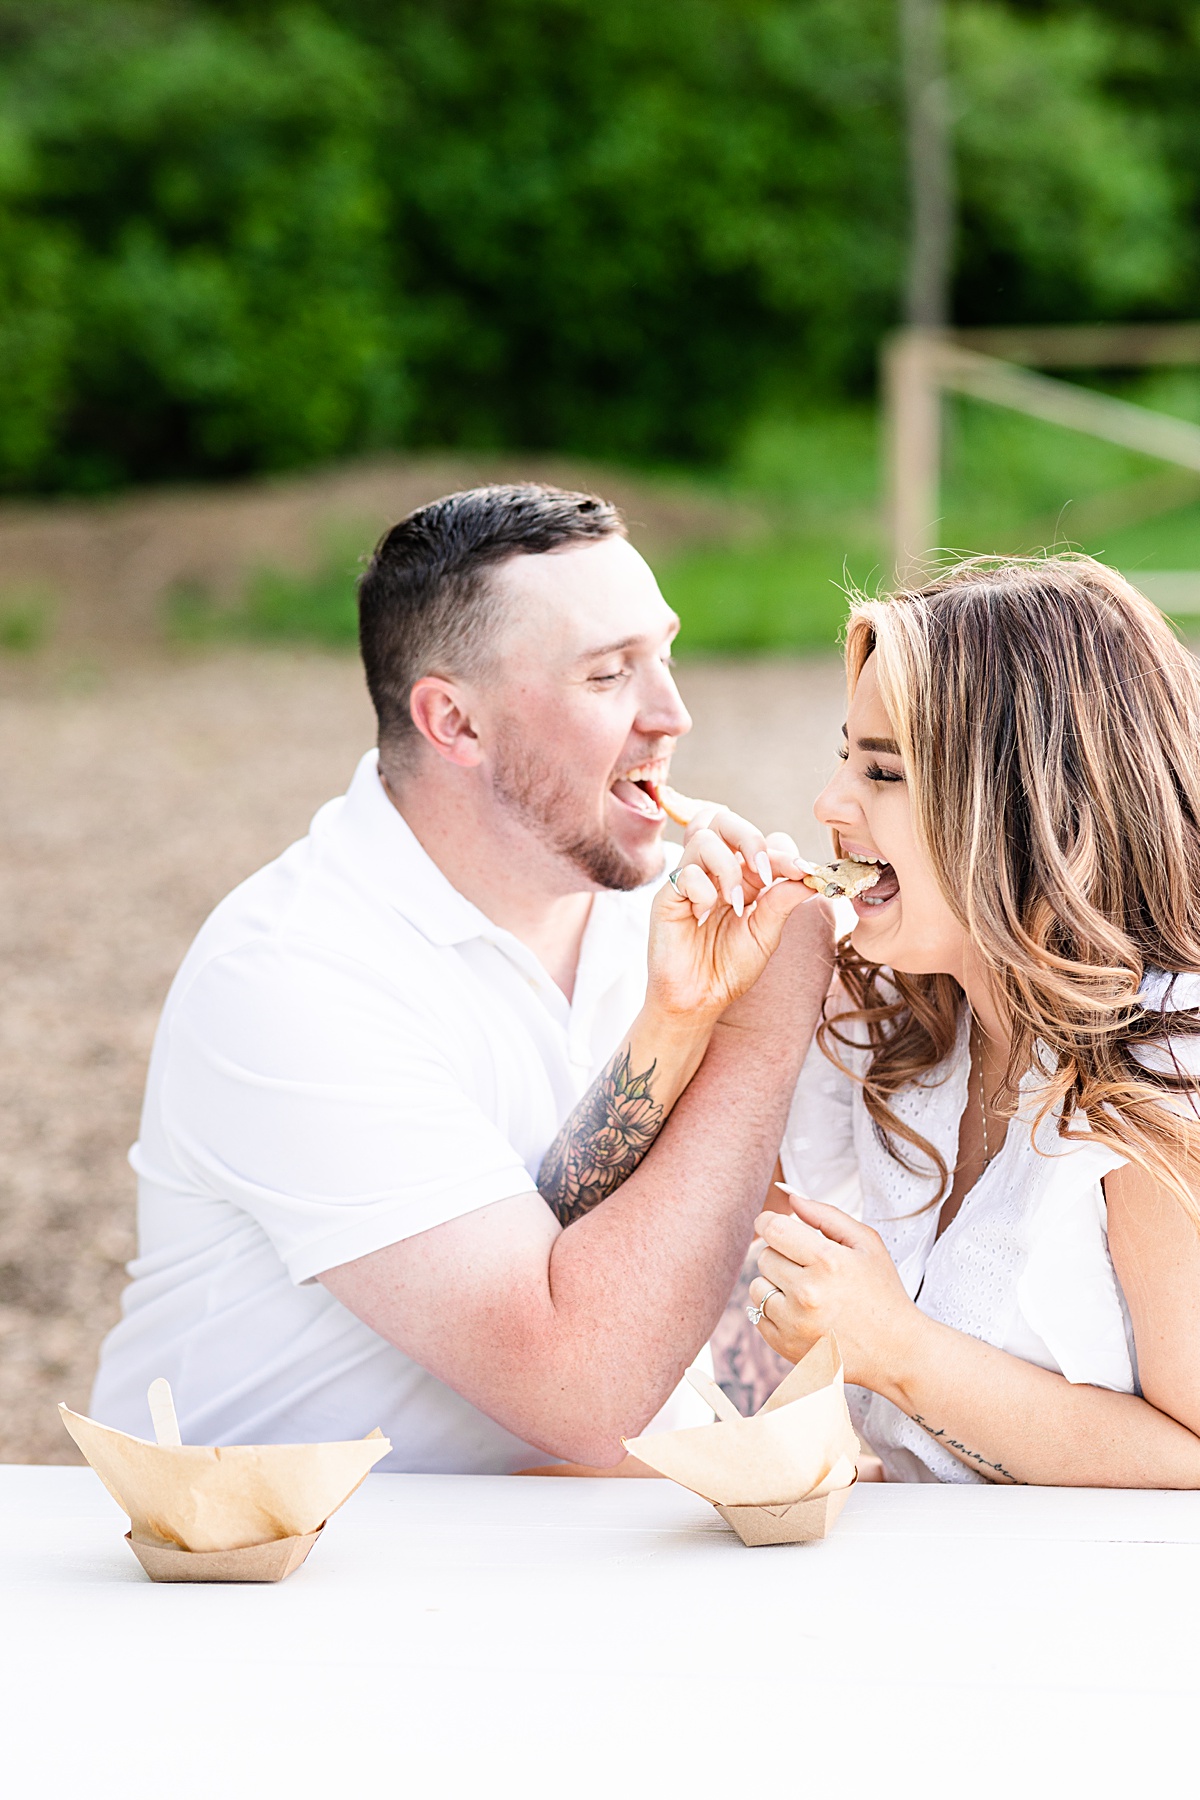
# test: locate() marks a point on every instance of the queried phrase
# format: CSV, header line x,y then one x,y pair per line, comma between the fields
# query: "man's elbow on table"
x,y
471,1302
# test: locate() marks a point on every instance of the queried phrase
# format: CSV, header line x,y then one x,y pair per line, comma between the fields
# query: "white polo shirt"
x,y
350,1054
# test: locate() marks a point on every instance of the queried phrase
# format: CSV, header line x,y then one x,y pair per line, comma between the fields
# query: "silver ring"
x,y
673,878
755,1313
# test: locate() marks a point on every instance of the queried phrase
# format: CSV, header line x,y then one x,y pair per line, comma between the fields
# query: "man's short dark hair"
x,y
425,603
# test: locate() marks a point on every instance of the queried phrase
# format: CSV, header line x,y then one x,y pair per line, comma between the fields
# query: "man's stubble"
x,y
538,792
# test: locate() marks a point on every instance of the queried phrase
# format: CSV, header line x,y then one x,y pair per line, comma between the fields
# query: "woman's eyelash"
x,y
873,772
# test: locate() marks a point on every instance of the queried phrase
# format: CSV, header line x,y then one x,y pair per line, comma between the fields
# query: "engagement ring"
x,y
755,1313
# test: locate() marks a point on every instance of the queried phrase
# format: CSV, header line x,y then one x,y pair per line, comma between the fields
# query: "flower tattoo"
x,y
602,1142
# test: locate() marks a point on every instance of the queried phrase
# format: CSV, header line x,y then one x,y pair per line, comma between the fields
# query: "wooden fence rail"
x,y
920,366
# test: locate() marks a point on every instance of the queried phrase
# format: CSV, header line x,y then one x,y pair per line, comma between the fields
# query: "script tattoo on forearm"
x,y
602,1142
970,1455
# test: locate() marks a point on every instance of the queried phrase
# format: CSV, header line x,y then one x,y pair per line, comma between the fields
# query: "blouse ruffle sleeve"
x,y
1068,1294
818,1151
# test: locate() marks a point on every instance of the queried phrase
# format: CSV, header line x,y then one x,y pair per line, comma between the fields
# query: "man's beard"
x,y
540,796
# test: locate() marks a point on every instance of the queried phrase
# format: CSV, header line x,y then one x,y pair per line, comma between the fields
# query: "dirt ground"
x,y
101,572
134,796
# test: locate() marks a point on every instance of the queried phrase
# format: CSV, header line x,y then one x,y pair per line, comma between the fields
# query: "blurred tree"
x,y
1071,205
192,238
1151,71
631,222
239,234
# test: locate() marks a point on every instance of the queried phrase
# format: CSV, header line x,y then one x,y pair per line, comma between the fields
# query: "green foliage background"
x,y
249,236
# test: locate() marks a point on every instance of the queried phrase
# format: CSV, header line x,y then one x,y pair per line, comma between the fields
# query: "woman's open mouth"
x,y
636,790
868,905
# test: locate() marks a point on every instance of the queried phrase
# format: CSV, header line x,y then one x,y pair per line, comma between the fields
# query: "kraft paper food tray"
x,y
257,1562
780,1477
237,1512
803,1522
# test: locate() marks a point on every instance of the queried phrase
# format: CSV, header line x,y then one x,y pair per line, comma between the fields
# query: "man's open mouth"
x,y
638,789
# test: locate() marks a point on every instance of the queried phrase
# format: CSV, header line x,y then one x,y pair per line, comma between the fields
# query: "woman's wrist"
x,y
911,1356
675,1028
672,1044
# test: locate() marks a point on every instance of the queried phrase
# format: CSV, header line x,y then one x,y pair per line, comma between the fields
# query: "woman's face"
x,y
904,920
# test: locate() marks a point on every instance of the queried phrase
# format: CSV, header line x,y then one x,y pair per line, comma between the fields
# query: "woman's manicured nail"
x,y
762,863
805,868
738,900
705,917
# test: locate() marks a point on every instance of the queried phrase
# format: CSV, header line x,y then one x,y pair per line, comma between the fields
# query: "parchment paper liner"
x,y
235,1512
780,1477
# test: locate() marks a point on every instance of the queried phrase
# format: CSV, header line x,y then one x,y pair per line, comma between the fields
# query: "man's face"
x,y
581,705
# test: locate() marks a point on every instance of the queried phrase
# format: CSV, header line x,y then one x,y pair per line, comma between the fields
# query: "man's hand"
x,y
571,1338
703,959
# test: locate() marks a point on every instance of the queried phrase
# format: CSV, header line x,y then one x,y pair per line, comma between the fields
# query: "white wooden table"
x,y
479,1636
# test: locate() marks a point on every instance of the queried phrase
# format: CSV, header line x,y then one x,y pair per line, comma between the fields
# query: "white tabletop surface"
x,y
472,1635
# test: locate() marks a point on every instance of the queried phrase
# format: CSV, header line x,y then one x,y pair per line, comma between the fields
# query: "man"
x,y
380,1043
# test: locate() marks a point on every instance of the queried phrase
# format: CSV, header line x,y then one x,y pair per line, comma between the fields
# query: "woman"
x,y
998,1127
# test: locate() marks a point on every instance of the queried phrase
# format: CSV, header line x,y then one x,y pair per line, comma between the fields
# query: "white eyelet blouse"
x,y
1025,1264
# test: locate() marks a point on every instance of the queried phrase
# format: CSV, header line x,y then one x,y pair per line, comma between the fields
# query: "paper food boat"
x,y
232,1512
781,1477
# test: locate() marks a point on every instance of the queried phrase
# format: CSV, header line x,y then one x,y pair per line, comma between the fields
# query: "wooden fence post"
x,y
913,444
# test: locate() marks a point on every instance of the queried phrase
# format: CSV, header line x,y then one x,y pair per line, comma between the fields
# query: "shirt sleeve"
x,y
340,1119
818,1153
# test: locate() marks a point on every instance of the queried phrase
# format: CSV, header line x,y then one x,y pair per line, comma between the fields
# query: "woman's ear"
x,y
438,709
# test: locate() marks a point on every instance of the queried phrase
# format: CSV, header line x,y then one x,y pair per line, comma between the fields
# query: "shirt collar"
x,y
366,828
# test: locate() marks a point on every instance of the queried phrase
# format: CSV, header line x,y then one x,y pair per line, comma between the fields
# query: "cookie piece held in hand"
x,y
845,879
676,806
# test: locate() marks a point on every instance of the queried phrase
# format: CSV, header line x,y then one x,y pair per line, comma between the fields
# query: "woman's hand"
x,y
834,1274
1005,1419
713,930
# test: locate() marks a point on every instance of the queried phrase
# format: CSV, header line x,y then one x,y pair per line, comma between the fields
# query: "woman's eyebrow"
x,y
880,746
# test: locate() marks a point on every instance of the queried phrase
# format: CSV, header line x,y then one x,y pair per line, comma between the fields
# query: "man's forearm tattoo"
x,y
969,1455
602,1142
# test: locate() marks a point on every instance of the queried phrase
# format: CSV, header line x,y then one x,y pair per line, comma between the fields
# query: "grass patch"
x,y
24,622
276,605
1015,485
813,479
783,594
321,607
804,491
1170,542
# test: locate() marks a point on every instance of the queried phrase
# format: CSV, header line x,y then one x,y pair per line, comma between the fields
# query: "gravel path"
x,y
134,799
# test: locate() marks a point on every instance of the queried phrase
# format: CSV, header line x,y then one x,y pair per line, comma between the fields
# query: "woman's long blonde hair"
x,y
1049,724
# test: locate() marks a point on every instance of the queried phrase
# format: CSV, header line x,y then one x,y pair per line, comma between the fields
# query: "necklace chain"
x,y
982,1104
